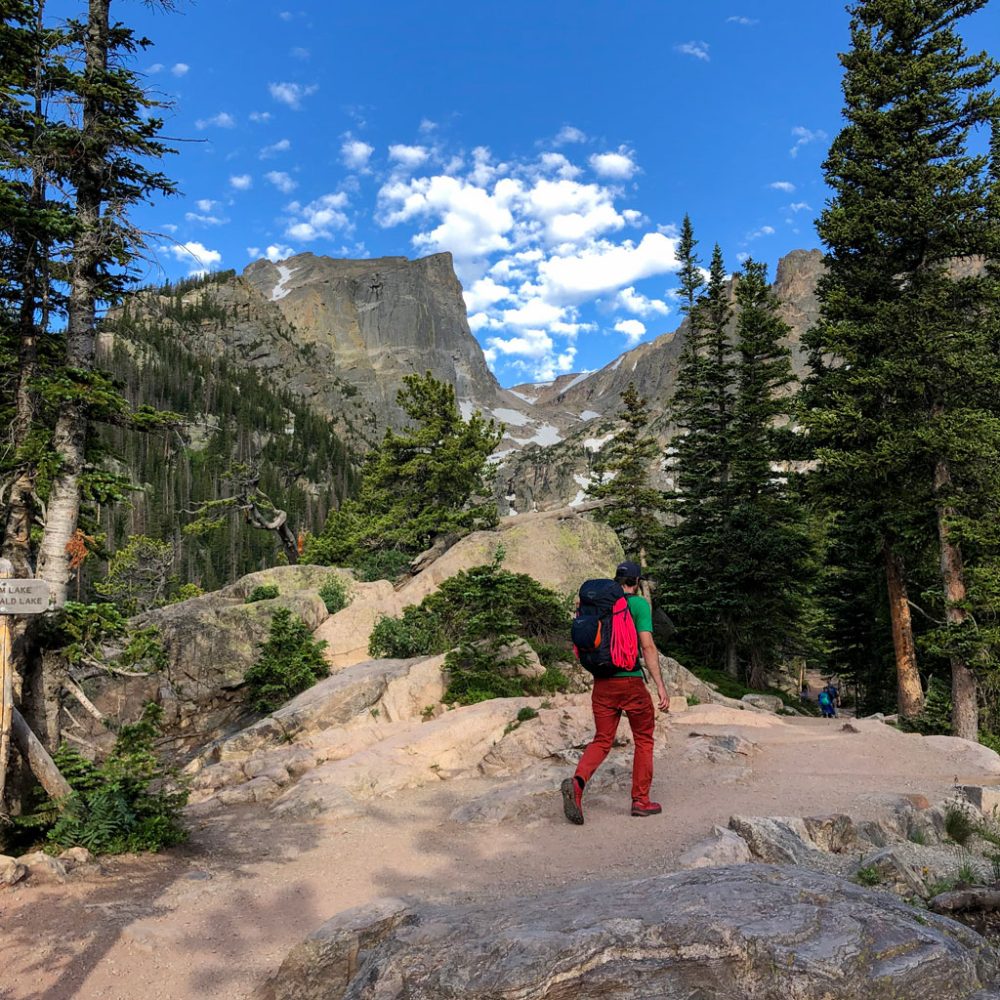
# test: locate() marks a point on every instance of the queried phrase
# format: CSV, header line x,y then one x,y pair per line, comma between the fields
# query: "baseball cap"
x,y
629,569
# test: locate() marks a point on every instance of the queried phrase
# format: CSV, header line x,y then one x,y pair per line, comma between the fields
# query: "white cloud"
x,y
484,293
799,206
242,182
156,68
474,222
300,53
285,15
222,120
636,302
260,116
618,166
169,227
634,330
205,204
787,186
281,146
744,21
804,136
319,219
697,49
196,255
179,69
571,212
633,217
606,267
534,313
569,134
743,256
204,220
355,153
275,252
282,181
763,231
557,163
408,156
291,93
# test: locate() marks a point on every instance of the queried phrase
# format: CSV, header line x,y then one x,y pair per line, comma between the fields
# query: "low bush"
x,y
333,594
290,661
128,802
473,614
263,592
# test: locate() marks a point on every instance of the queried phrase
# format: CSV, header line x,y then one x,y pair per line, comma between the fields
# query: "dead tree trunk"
x,y
964,699
909,691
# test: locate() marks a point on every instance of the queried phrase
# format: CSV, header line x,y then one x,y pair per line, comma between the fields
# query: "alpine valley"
x,y
292,369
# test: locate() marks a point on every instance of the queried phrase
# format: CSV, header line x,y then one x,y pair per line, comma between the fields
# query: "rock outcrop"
x,y
751,931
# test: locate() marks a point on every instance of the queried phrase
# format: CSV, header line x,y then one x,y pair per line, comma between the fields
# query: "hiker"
x,y
832,697
618,687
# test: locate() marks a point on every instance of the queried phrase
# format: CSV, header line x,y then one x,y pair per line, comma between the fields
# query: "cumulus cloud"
x,y
275,252
156,68
637,303
804,136
606,267
260,116
281,146
746,22
569,134
196,255
633,329
799,206
355,153
697,49
242,182
318,219
282,181
763,231
617,166
205,204
180,69
570,211
204,220
222,120
291,94
558,164
787,186
409,156
484,293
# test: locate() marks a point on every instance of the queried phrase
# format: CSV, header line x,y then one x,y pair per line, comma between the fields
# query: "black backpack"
x,y
602,602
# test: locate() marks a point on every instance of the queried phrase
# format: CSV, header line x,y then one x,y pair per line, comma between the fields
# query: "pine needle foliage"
x,y
290,661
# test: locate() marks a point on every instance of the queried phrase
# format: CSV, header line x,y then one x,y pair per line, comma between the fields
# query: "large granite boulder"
x,y
750,932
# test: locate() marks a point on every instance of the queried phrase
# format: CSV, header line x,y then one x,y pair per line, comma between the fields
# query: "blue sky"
x,y
552,147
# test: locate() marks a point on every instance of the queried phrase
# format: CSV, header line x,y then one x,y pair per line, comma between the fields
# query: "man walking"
x,y
624,691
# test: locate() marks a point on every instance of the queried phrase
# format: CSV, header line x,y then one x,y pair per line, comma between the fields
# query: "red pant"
x,y
611,697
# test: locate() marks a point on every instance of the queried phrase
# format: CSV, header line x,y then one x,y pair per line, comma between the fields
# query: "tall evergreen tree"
x,y
624,467
694,576
903,403
771,552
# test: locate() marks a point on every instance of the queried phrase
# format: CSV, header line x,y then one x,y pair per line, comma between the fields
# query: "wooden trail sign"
x,y
23,597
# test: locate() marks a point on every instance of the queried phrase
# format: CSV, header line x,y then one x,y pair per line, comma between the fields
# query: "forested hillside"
x,y
230,414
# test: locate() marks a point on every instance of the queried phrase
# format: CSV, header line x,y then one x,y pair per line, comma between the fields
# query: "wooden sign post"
x,y
17,597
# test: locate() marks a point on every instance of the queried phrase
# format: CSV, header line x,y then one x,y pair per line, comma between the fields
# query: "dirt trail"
x,y
214,918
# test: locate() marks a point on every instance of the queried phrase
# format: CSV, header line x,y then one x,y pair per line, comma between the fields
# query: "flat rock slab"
x,y
751,932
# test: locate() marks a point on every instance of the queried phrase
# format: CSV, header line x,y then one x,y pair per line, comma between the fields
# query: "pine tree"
x,y
634,507
771,552
693,575
903,403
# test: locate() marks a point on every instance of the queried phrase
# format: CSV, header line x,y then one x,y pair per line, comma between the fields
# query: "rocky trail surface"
x,y
218,916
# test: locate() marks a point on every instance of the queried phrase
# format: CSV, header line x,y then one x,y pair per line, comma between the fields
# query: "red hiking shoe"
x,y
643,807
572,795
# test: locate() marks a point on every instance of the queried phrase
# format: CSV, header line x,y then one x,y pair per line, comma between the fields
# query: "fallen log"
x,y
966,899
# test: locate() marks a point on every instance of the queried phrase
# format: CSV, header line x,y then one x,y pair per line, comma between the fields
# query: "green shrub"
x,y
527,713
935,719
386,565
959,824
472,615
290,661
263,592
128,802
333,593
868,875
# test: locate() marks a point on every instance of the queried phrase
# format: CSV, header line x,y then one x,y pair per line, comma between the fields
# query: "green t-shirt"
x,y
642,615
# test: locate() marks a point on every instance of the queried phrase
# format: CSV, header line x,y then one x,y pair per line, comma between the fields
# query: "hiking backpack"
x,y
824,699
604,636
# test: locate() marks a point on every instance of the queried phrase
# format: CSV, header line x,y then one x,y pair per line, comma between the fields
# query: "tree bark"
x,y
964,699
909,691
42,765
6,691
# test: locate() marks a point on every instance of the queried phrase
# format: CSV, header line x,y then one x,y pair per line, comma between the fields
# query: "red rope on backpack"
x,y
624,638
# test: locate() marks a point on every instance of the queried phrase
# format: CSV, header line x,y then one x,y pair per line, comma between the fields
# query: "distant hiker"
x,y
832,698
613,637
826,704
